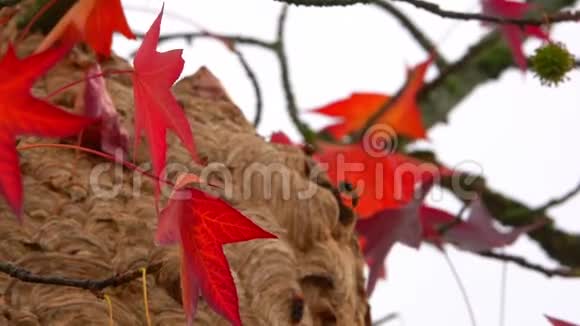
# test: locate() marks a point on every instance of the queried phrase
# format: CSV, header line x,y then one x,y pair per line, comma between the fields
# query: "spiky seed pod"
x,y
551,63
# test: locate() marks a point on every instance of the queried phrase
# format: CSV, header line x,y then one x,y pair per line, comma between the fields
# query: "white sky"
x,y
522,135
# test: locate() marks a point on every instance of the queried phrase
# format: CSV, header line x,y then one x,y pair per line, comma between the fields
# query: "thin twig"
x,y
461,288
234,40
96,286
325,3
85,79
386,319
422,39
503,293
255,85
190,36
292,107
522,262
128,165
542,209
560,200
557,243
560,17
458,220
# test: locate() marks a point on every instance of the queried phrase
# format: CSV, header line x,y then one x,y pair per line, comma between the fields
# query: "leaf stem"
x,y
503,293
422,39
35,18
109,157
461,288
386,319
109,308
145,301
76,82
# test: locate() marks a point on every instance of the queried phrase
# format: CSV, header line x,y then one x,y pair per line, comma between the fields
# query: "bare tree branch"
x,y
551,203
562,246
414,30
325,3
484,61
386,319
292,107
190,36
522,262
560,17
255,85
95,286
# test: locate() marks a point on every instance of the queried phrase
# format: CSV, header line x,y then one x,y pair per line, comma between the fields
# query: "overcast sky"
x,y
521,135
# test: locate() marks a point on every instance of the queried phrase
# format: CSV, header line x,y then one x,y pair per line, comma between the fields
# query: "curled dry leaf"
x,y
380,232
477,233
107,134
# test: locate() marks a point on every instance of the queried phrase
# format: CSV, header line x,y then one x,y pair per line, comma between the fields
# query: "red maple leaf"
x,y
279,137
92,21
107,134
202,224
477,233
381,231
156,107
559,322
382,181
23,114
432,221
404,116
514,34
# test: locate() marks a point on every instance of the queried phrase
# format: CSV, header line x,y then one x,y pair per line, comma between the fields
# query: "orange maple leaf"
x,y
404,116
92,21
